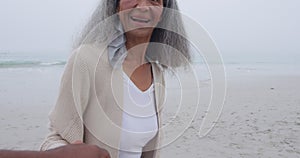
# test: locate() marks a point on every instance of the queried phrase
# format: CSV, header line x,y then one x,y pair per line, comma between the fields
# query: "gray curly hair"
x,y
99,29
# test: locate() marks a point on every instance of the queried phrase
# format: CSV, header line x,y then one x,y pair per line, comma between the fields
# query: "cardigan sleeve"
x,y
52,141
65,123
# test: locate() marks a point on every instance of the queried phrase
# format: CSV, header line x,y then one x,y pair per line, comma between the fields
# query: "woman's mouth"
x,y
141,20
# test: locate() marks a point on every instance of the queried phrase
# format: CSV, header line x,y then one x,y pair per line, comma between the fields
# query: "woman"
x,y
112,89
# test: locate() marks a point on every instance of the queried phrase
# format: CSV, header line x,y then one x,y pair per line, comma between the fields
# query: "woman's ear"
x,y
117,5
161,16
117,8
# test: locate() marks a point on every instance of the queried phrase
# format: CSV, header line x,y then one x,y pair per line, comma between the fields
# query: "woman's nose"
x,y
143,5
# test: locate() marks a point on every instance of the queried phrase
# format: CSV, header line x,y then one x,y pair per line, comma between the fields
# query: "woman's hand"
x,y
68,151
79,150
77,142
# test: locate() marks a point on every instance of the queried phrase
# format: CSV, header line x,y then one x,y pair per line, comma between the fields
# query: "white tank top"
x,y
139,121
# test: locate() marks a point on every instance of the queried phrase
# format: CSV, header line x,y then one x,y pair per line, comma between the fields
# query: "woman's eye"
x,y
155,2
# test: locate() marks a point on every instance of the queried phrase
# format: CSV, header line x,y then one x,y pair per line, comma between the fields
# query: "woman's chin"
x,y
141,32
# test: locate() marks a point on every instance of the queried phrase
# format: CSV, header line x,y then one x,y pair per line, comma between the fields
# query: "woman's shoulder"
x,y
91,49
90,54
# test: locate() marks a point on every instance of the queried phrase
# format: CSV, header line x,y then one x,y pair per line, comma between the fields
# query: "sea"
x,y
244,62
9,60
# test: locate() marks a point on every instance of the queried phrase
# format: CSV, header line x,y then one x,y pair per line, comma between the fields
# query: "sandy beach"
x,y
261,115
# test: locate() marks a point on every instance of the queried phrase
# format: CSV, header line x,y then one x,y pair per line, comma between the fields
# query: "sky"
x,y
239,27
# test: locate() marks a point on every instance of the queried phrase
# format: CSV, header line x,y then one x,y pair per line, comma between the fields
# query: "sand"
x,y
26,97
261,118
261,115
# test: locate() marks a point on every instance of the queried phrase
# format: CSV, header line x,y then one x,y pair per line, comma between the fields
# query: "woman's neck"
x,y
136,47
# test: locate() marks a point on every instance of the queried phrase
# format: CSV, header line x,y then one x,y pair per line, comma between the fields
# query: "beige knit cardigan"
x,y
89,105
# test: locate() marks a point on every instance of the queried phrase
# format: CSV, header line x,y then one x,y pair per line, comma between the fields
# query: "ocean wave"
x,y
20,64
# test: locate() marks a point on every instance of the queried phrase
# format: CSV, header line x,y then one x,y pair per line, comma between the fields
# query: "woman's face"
x,y
139,17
